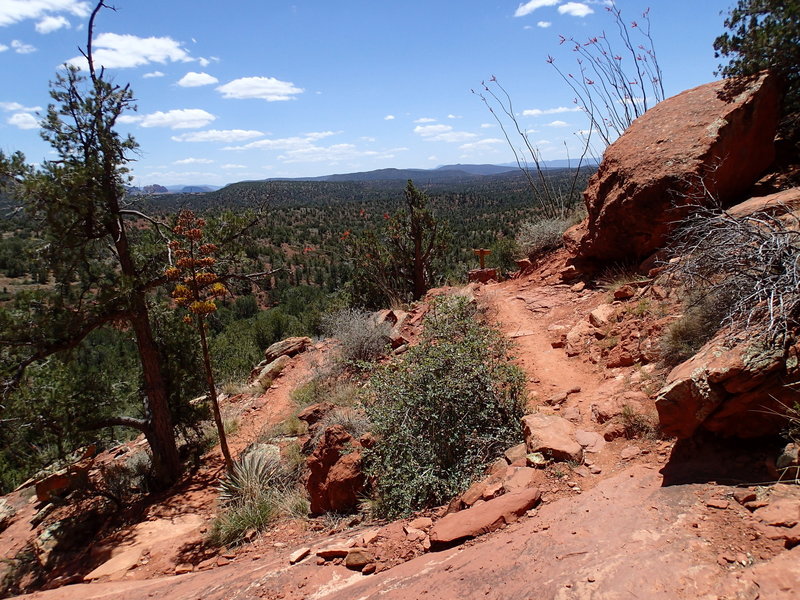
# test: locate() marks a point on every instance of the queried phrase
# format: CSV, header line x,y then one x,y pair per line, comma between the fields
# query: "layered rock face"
x,y
740,391
711,141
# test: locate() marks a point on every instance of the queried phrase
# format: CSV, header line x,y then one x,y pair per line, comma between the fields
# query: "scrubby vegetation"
x,y
442,411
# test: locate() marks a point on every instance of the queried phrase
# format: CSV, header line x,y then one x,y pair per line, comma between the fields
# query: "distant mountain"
x,y
478,169
192,189
443,174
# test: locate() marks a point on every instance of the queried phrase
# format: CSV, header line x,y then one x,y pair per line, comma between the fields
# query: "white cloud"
x,y
481,144
127,119
575,9
22,47
152,74
233,166
184,118
543,24
367,138
425,120
536,112
289,143
193,161
3,47
442,133
453,116
49,24
118,51
486,125
192,79
23,121
529,7
218,135
433,157
17,107
388,118
557,124
14,11
265,88
334,154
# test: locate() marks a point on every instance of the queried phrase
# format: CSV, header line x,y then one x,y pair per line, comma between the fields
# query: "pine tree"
x,y
102,276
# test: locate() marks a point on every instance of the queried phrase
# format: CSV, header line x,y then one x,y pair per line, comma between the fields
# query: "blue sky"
x,y
228,91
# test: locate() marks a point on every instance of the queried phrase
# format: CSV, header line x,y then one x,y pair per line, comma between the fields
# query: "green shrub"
x,y
441,413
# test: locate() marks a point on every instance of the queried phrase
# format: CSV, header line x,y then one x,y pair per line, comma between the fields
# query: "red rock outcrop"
x,y
719,135
335,476
739,391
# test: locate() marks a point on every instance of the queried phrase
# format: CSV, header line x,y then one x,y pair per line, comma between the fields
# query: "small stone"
x,y
744,496
332,552
369,536
298,555
595,470
184,568
222,561
421,523
718,504
629,452
369,568
358,558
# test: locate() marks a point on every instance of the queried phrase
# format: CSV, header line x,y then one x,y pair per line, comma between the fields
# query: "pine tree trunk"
x,y
161,436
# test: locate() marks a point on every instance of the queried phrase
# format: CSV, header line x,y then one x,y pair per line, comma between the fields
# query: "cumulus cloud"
x,y
558,124
183,118
543,24
122,51
153,74
529,7
50,24
233,166
22,47
192,79
193,161
388,118
23,121
218,135
264,88
537,112
3,47
575,9
17,107
442,133
424,120
486,125
453,116
15,11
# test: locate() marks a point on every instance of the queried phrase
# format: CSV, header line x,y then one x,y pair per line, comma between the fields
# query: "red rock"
x,y
777,204
602,315
718,504
314,413
648,175
516,452
483,275
335,477
358,558
332,552
784,512
779,578
421,523
522,478
735,392
552,436
475,521
288,347
298,555
744,496
624,292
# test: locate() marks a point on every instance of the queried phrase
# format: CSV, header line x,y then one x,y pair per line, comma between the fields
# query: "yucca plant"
x,y
252,475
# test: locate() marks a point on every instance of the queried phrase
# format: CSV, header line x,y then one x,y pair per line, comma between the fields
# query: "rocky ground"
x,y
633,516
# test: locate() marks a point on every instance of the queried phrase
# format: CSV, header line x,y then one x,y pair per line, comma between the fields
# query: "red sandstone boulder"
x,y
714,134
482,518
740,391
552,436
288,347
335,475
